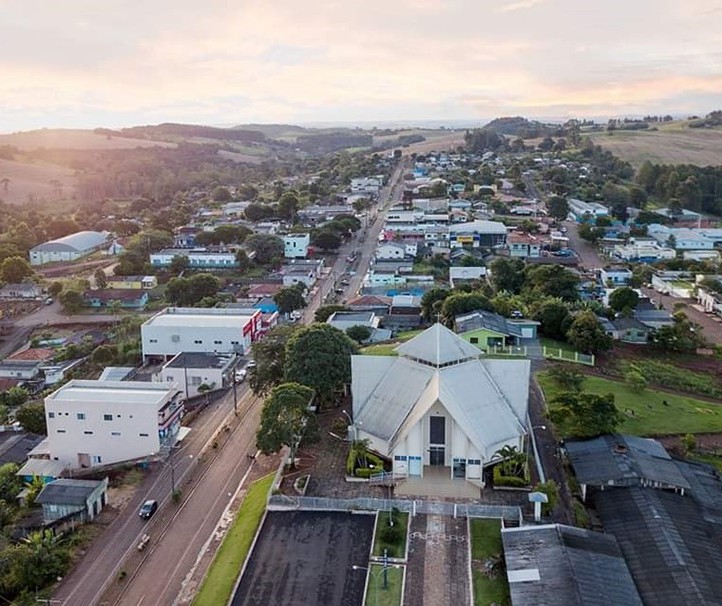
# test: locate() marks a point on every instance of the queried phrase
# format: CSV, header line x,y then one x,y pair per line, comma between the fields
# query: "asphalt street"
x,y
104,558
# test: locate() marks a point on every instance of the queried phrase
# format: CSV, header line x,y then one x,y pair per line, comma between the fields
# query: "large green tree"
x,y
71,300
585,415
191,291
558,208
32,418
431,303
270,356
324,312
553,281
555,319
623,298
319,356
268,249
289,299
286,419
587,335
461,303
507,275
10,484
15,269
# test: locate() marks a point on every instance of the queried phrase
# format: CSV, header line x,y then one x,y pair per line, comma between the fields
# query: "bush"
x,y
512,481
392,535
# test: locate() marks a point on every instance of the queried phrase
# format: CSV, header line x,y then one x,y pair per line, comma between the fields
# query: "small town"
x,y
328,356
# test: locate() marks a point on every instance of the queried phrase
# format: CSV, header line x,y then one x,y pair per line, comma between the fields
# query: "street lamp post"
x,y
375,575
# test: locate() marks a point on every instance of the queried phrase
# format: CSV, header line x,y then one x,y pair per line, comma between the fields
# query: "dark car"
x,y
148,509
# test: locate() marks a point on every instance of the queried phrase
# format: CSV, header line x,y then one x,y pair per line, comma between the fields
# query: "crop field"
x,y
669,145
39,181
60,138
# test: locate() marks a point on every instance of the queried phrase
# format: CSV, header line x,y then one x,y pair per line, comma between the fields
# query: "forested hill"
x,y
517,126
170,130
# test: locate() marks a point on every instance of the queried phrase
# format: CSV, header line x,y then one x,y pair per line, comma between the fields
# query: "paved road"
x,y
712,330
173,556
101,563
588,256
365,248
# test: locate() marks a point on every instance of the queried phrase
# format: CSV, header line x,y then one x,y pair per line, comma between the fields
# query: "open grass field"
x,y
650,413
671,144
66,138
33,180
486,545
221,577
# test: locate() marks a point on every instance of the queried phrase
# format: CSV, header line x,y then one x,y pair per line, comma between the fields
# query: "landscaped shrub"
x,y
374,464
512,481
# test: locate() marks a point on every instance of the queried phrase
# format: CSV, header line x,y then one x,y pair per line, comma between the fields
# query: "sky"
x,y
113,63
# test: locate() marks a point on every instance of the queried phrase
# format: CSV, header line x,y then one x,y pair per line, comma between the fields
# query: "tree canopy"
x,y
289,299
15,269
286,419
585,415
623,298
187,292
587,335
268,249
319,356
270,356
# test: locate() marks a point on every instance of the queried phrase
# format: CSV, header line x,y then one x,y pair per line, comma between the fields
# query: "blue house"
x,y
128,299
267,305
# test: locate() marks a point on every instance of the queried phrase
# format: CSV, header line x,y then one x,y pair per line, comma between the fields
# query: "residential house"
x,y
396,250
343,320
523,245
486,330
626,330
132,282
189,329
559,565
68,248
101,422
15,445
615,276
23,290
259,291
375,303
191,371
54,372
464,275
295,246
21,370
709,300
439,404
185,237
127,299
674,283
404,312
65,497
651,317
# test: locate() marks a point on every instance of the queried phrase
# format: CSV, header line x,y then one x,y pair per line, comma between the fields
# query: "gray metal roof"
x,y
487,398
559,565
77,242
67,491
194,359
438,346
673,553
488,320
623,459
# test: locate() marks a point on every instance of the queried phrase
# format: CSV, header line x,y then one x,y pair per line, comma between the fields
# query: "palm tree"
x,y
33,487
513,462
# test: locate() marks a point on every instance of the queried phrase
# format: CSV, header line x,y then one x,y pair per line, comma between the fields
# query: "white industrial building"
x,y
100,422
190,370
439,404
198,258
68,248
190,329
295,246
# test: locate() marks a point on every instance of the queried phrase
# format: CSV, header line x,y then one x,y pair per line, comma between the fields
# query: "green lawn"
x,y
376,594
486,544
218,584
651,417
387,349
565,347
674,377
397,549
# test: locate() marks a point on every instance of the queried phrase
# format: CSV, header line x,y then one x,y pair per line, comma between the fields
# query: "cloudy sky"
x,y
87,63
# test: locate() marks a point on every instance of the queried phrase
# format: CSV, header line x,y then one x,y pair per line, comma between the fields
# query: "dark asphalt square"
x,y
305,558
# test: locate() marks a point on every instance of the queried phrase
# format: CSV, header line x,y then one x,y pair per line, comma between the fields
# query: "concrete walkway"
x,y
437,483
534,349
438,567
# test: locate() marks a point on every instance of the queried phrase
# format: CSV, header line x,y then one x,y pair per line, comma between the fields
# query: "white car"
x,y
241,375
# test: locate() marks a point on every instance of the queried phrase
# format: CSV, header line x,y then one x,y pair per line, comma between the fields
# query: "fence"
x,y
506,350
568,356
280,502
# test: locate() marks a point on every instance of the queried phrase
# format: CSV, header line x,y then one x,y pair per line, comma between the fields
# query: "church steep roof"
x,y
438,346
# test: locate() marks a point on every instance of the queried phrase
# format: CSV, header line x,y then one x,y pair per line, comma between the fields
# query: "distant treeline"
x,y
711,119
162,131
152,172
331,142
696,188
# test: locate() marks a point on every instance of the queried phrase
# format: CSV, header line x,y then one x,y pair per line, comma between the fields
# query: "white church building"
x,y
439,403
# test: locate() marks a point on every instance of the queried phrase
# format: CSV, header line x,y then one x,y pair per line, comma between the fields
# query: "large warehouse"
x,y
68,248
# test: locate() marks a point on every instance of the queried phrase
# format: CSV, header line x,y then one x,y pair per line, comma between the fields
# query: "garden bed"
x,y
487,563
392,538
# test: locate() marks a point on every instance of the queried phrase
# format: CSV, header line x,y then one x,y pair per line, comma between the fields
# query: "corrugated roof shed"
x,y
623,460
67,492
557,565
673,553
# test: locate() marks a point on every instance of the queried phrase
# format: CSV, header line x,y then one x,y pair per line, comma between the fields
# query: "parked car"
x,y
148,509
241,375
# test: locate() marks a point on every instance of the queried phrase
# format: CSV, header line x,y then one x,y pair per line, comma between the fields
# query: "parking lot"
x,y
306,558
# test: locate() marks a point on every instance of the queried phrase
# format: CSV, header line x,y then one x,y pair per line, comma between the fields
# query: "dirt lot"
x,y
305,558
